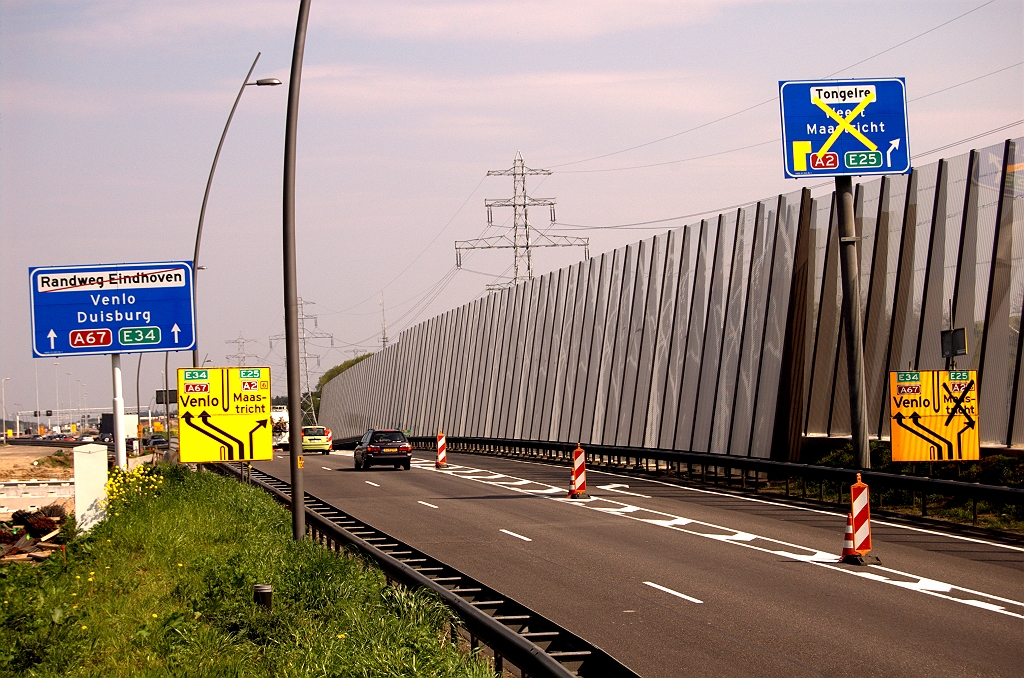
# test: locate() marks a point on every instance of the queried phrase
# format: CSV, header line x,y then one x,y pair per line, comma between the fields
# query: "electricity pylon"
x,y
523,238
240,355
305,333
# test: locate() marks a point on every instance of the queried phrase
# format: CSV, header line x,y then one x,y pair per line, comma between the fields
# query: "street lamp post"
x,y
291,294
209,182
3,396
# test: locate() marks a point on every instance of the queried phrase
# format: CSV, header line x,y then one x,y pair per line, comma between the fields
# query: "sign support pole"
x,y
120,455
852,320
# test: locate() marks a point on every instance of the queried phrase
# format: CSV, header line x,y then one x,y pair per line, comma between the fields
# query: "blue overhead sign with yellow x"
x,y
844,127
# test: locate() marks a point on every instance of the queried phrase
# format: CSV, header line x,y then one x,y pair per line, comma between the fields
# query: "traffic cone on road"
x,y
848,549
578,481
442,445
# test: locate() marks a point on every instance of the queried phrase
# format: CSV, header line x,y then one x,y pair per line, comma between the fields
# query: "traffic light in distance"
x,y
36,413
49,413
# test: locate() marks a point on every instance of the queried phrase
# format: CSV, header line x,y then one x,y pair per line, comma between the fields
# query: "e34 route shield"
x,y
834,128
224,414
934,415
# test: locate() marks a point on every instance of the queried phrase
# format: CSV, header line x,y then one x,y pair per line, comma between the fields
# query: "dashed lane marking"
x,y
427,504
368,482
726,535
326,469
517,536
756,500
674,593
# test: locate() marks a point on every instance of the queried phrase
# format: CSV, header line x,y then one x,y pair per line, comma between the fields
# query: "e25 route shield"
x,y
224,414
934,415
836,128
112,308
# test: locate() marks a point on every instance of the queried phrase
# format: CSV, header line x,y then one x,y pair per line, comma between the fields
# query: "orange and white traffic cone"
x,y
848,550
442,456
578,482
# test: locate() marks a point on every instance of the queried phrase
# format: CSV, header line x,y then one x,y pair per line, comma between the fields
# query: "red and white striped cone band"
x,y
579,474
848,549
859,498
442,445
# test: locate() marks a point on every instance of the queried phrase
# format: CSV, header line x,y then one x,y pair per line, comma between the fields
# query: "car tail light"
x,y
373,448
405,447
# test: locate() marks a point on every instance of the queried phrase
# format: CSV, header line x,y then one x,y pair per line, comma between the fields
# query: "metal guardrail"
x,y
44,443
535,645
610,455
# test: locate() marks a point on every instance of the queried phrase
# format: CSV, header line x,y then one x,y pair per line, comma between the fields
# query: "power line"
x,y
774,98
645,225
417,257
770,141
980,77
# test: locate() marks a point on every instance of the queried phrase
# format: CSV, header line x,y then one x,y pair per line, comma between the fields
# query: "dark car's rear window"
x,y
388,437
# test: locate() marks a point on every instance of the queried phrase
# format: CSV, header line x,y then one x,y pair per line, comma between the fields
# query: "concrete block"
x,y
90,483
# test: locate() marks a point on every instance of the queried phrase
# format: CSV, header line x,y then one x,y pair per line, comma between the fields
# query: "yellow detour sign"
x,y
934,415
224,414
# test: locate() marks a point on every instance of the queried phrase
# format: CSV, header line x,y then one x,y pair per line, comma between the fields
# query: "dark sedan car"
x,y
379,447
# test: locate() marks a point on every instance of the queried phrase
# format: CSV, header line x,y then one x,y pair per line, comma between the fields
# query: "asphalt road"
x,y
688,581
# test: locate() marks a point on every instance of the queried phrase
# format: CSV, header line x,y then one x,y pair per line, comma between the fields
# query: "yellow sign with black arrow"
x,y
224,414
934,415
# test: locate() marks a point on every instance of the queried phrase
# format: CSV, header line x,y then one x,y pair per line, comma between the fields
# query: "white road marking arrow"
x,y
613,486
174,331
893,145
51,336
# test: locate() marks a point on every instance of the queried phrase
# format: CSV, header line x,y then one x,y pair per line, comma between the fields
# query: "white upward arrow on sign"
x,y
51,336
174,331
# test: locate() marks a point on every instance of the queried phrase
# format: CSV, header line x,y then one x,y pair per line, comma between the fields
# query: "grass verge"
x,y
163,587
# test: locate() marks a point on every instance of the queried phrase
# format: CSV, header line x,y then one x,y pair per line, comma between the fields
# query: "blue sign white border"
x,y
852,81
108,350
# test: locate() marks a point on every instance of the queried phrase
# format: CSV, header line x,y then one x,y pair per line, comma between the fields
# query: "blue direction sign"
x,y
112,308
836,128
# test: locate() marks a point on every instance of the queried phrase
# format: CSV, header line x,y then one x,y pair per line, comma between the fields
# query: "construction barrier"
x,y
442,456
857,541
861,517
578,484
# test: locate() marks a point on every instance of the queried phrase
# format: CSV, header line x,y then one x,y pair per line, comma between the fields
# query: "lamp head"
x,y
265,82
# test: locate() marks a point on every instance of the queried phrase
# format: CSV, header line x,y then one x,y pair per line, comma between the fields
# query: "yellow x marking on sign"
x,y
844,124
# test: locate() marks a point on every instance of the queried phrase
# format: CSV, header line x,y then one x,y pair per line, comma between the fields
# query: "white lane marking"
x,y
612,488
517,536
280,456
674,593
371,483
952,586
426,504
728,535
756,500
326,469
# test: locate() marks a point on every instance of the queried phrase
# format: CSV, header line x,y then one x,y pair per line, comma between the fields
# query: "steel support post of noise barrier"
x,y
853,321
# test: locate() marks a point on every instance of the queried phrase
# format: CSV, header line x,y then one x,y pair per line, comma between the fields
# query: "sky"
x,y
110,114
